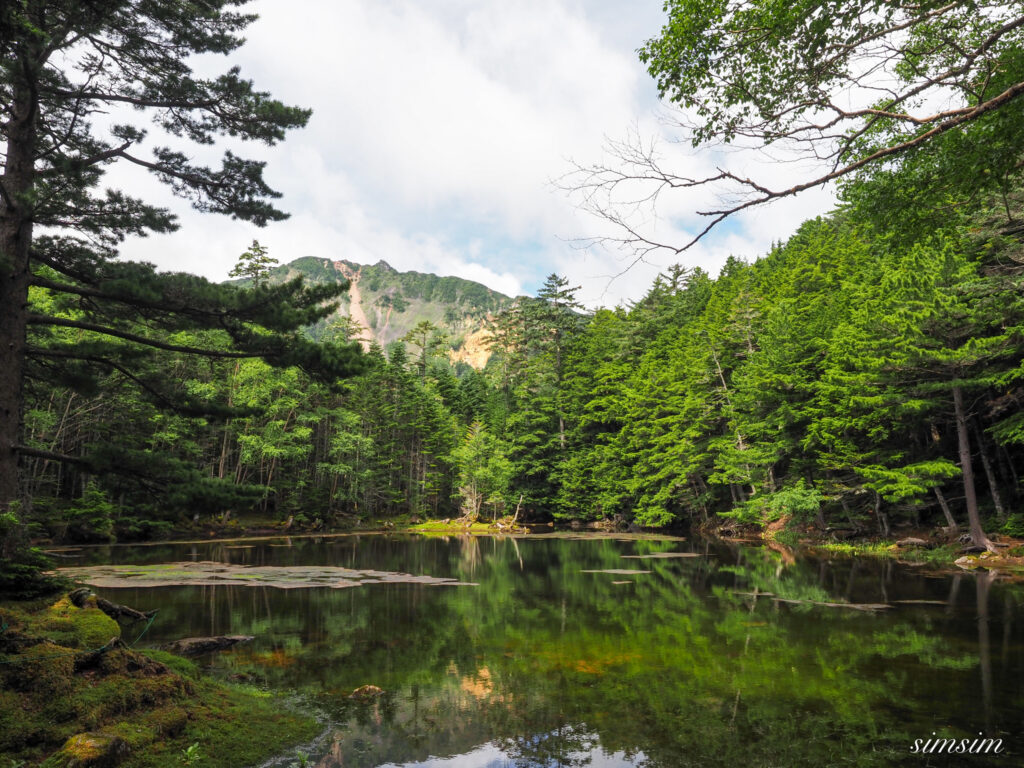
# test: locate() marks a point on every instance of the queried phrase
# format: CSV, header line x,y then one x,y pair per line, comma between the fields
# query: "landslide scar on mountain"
x,y
356,302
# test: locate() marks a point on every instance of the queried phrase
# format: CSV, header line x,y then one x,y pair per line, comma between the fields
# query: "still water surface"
x,y
550,653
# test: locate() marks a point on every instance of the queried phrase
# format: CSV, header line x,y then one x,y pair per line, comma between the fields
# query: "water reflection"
x,y
742,656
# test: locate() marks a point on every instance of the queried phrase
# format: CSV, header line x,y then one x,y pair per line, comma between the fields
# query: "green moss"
x,y
89,750
75,627
232,727
144,708
451,527
178,664
43,670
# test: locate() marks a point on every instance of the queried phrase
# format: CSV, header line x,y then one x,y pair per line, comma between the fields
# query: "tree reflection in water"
x,y
695,663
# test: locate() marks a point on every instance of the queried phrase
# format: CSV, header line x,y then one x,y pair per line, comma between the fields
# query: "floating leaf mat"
x,y
206,573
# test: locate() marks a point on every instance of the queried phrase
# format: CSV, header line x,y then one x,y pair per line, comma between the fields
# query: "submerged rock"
x,y
967,561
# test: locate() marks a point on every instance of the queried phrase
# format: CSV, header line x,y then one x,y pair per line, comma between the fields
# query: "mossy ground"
x,y
152,705
451,527
937,554
460,526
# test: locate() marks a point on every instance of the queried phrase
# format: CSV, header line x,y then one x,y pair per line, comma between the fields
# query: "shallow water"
x,y
573,651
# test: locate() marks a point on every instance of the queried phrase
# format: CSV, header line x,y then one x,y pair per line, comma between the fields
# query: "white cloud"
x,y
437,128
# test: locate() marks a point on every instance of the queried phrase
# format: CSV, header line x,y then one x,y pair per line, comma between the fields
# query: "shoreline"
x,y
928,549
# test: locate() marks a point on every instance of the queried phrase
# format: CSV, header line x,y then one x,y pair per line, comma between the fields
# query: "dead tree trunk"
x,y
990,475
883,520
978,537
950,520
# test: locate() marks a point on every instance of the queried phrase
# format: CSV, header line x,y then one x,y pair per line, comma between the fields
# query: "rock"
x,y
194,646
966,562
366,693
91,750
910,541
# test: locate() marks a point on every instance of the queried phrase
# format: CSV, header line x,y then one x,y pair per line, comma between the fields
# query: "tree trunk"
x,y
990,475
15,240
883,520
978,537
950,520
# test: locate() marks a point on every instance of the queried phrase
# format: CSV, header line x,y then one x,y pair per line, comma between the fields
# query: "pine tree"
x,y
254,265
61,63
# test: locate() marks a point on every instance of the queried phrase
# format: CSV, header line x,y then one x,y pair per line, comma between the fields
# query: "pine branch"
x,y
65,323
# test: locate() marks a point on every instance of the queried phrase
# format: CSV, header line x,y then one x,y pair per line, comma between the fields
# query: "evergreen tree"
x,y
61,63
254,265
540,333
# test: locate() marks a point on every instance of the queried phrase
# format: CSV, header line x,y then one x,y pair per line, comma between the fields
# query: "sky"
x,y
440,130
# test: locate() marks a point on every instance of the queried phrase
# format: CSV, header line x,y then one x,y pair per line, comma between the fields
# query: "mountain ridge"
x,y
385,304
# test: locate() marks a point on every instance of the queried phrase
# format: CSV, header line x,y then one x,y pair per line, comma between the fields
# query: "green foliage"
x,y
192,754
22,567
1014,525
766,72
798,501
800,385
484,470
90,517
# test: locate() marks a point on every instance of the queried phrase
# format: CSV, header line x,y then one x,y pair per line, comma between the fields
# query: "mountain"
x,y
387,304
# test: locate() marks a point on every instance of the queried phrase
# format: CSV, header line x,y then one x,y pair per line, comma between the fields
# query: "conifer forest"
x,y
784,497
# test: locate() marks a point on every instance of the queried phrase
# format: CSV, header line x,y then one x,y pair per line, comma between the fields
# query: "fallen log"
x,y
196,646
911,541
80,598
852,606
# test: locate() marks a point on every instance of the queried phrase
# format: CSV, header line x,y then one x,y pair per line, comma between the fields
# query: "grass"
x,y
869,548
941,555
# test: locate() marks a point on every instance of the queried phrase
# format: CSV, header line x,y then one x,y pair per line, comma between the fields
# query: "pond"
x,y
599,651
